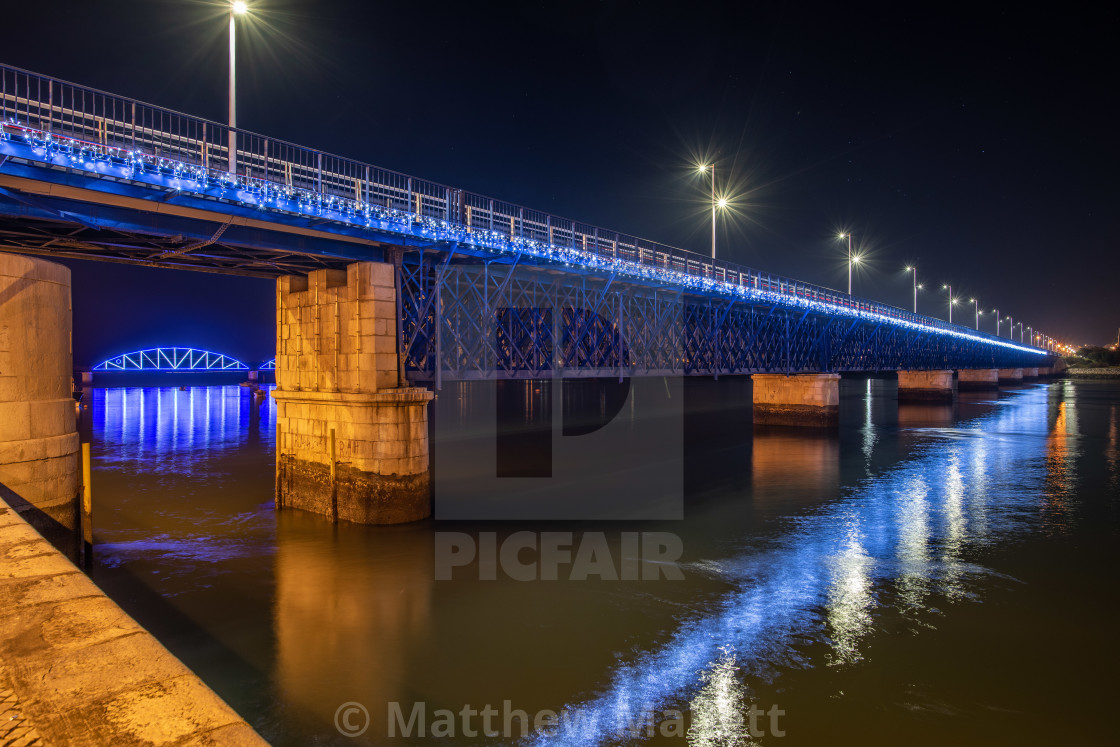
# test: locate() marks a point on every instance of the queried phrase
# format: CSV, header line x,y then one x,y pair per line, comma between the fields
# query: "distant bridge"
x,y
486,288
171,359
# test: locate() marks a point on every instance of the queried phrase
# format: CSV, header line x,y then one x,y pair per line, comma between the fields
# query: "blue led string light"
x,y
252,191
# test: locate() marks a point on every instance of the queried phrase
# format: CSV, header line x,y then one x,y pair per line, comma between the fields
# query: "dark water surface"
x,y
928,575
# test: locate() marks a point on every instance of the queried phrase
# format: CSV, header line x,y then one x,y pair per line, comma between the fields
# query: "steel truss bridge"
x,y
171,359
488,289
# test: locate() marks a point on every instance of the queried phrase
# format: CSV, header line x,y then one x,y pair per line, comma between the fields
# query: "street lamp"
x,y
848,236
721,203
236,8
914,270
996,312
976,304
951,300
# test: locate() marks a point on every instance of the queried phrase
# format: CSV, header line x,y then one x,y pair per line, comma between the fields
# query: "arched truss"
x,y
270,366
171,359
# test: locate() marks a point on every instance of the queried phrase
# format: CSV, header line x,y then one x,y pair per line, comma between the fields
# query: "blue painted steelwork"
x,y
269,366
171,359
727,317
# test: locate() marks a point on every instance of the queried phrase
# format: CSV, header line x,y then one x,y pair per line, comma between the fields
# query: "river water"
x,y
928,575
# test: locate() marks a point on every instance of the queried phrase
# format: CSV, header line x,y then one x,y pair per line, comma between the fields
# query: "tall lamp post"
x,y
976,305
236,8
716,201
848,236
996,312
914,270
951,300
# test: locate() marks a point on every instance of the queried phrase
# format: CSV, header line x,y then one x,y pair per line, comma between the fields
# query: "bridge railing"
x,y
119,127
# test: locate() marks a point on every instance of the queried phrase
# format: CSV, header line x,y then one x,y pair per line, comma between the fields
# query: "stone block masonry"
x,y
352,440
977,379
1010,376
927,386
800,400
38,426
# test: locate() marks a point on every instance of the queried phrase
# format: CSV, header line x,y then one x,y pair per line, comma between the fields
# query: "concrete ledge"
x,y
82,670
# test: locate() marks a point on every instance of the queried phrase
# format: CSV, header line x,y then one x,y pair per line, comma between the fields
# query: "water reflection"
x,y
827,567
794,563
719,717
794,466
349,613
1061,450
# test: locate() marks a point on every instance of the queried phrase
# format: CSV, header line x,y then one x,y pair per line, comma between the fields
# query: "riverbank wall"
x,y
75,669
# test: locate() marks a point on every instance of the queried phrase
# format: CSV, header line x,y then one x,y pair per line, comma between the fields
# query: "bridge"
x,y
388,286
171,359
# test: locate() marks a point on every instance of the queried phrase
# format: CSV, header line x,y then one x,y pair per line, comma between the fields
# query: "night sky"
x,y
980,144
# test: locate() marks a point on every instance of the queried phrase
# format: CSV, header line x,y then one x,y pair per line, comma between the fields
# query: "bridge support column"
x,y
977,378
926,386
38,431
811,400
1030,374
1010,376
351,442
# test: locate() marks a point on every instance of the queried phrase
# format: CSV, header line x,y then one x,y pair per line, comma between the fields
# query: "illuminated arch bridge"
x,y
171,359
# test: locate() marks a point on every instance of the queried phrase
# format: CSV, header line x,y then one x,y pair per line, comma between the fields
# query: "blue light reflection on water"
x,y
172,436
789,579
908,527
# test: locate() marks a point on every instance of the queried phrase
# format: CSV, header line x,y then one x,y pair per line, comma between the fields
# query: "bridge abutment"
x,y
1030,374
926,386
811,400
1010,376
976,379
351,442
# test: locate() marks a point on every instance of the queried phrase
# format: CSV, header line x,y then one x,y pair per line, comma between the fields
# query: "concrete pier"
x,y
975,379
1030,374
926,386
38,430
1010,376
352,444
806,400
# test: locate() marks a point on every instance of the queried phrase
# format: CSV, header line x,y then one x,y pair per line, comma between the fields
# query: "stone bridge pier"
x,y
351,436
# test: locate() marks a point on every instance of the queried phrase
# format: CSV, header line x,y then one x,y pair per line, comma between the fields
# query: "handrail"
x,y
271,169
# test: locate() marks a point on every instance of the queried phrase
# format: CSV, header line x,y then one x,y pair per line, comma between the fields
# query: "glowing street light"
x,y
236,8
951,300
717,202
851,260
914,270
976,305
996,312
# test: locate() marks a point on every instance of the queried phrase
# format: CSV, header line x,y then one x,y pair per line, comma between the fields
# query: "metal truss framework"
x,y
171,359
463,318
